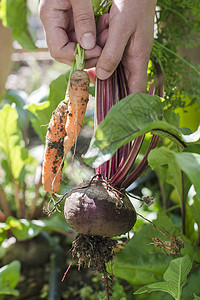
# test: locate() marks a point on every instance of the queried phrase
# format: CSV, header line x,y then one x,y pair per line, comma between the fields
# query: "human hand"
x,y
67,22
126,34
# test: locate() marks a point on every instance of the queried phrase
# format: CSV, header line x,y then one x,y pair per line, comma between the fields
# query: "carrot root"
x,y
54,149
79,96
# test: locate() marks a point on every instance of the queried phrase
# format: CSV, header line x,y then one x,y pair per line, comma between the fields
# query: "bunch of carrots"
x,y
65,124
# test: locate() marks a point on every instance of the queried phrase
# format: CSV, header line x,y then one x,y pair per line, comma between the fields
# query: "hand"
x,y
67,22
127,34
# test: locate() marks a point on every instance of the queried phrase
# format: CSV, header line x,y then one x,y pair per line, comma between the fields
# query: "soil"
x,y
41,278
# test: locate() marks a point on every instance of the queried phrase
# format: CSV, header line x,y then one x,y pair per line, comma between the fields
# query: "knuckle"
x,y
83,18
54,53
110,60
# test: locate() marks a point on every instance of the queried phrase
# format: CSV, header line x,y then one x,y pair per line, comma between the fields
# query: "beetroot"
x,y
94,208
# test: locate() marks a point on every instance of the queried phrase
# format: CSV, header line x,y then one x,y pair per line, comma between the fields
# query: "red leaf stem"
x,y
142,165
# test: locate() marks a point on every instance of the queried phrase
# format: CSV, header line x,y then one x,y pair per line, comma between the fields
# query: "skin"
x,y
126,35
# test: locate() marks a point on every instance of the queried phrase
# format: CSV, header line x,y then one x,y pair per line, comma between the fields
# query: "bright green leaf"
x,y
140,262
175,277
163,156
9,277
195,210
190,164
13,14
135,115
168,287
193,137
11,141
24,229
178,271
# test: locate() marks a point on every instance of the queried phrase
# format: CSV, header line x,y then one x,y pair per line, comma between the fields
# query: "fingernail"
x,y
102,74
88,41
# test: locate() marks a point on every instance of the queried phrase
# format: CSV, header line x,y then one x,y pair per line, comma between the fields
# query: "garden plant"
x,y
130,220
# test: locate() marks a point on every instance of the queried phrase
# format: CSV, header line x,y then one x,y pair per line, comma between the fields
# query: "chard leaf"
x,y
193,137
13,14
135,115
140,262
175,277
168,287
9,277
178,271
11,141
190,164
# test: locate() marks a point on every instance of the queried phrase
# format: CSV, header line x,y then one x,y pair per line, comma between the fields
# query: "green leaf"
x,y
40,114
11,141
24,229
190,164
195,209
178,271
175,277
140,262
168,287
163,156
13,14
193,137
172,118
135,115
9,277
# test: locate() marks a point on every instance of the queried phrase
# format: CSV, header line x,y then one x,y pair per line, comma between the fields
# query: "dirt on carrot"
x,y
54,149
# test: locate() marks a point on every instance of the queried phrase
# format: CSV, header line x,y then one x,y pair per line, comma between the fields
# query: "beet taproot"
x,y
95,208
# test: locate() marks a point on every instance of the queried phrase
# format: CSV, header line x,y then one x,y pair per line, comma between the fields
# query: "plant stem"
x,y
142,165
38,182
17,199
4,204
182,204
198,238
23,212
2,216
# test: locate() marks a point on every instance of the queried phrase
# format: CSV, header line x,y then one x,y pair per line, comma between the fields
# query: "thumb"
x,y
84,23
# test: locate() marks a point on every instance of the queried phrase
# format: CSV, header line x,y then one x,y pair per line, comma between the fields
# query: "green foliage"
x,y
9,276
175,277
24,229
11,142
13,14
139,114
40,113
178,31
140,263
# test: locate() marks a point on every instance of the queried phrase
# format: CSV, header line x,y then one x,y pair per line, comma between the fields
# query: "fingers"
x,y
84,23
137,54
56,18
64,28
119,32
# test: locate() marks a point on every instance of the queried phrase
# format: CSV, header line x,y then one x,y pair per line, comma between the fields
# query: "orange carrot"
x,y
78,99
54,149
